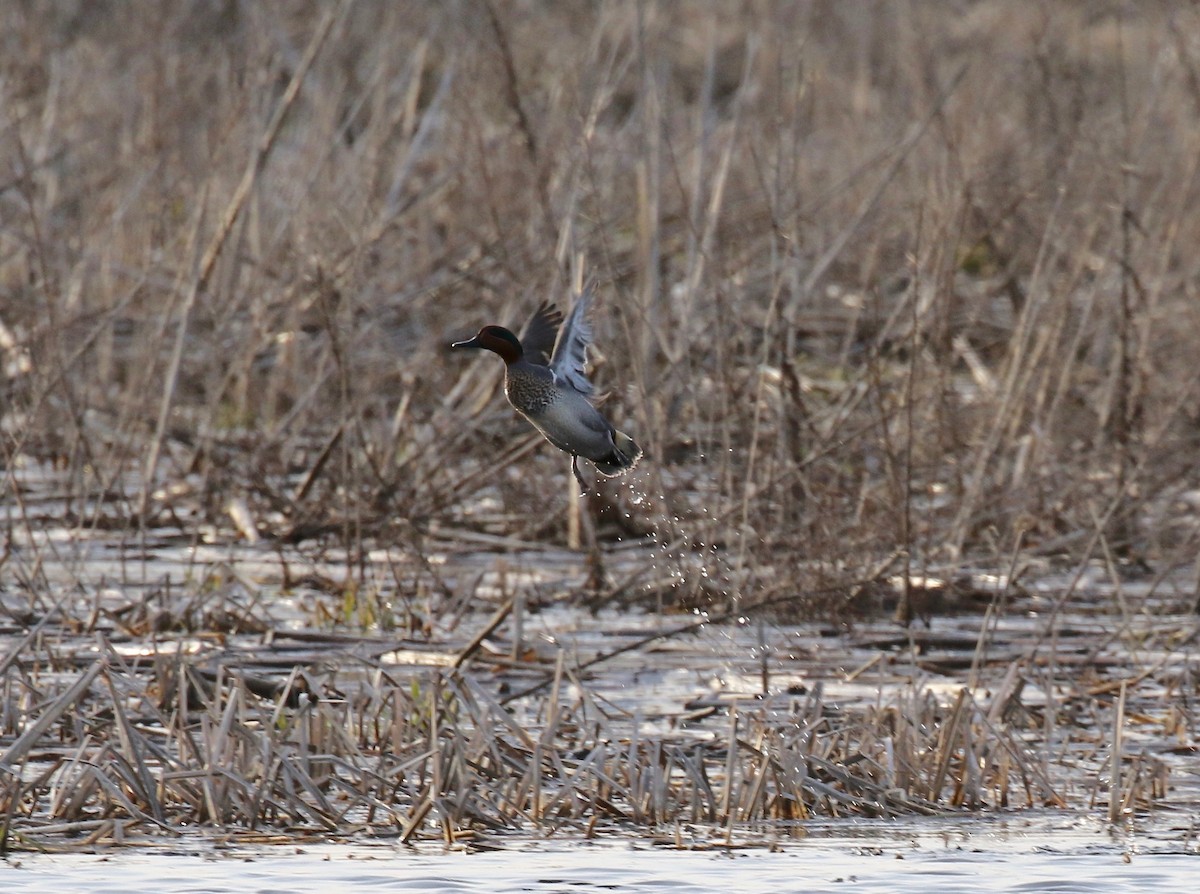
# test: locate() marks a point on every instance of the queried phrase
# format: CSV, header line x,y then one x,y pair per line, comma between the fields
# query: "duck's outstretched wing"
x,y
570,354
537,339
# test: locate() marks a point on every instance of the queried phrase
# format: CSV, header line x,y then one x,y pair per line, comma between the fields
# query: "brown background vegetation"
x,y
873,276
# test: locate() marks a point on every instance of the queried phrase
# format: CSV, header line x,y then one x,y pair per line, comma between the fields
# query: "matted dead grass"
x,y
132,717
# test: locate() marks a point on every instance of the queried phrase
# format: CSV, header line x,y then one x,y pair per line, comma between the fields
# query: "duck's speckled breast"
x,y
530,389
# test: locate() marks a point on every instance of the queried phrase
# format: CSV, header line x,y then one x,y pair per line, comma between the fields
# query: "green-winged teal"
x,y
552,390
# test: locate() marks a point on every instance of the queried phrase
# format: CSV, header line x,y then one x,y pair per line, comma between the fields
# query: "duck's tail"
x,y
624,457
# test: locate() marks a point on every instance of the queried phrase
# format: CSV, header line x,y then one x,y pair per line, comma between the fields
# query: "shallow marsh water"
x,y
968,856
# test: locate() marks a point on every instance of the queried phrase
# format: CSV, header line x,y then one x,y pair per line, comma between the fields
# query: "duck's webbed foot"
x,y
583,488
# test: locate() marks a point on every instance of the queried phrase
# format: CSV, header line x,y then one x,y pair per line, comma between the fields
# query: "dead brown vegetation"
x,y
886,288
900,275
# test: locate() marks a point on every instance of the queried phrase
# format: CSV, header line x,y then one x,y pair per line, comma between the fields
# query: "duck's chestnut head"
x,y
496,339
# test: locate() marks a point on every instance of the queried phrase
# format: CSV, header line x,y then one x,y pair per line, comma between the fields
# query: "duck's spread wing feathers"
x,y
538,338
570,354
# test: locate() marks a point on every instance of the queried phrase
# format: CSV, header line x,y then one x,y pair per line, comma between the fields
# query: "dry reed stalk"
x,y
17,751
946,745
1116,792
